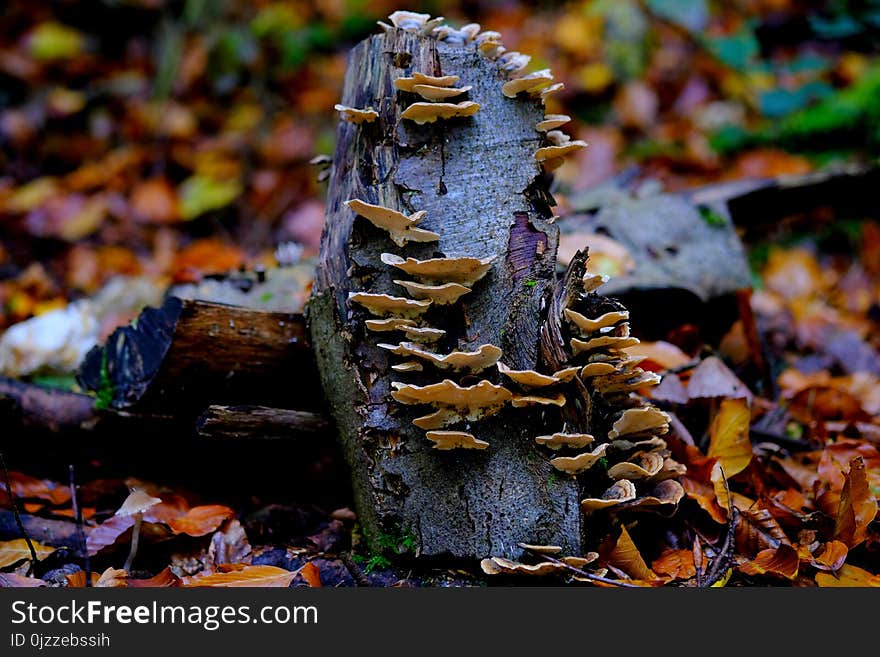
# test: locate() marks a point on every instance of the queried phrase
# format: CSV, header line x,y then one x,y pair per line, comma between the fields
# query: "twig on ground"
x,y
81,535
15,513
584,573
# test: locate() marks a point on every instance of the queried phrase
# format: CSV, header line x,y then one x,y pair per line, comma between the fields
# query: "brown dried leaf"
x,y
712,378
246,576
782,561
16,581
626,557
848,576
201,520
11,552
858,506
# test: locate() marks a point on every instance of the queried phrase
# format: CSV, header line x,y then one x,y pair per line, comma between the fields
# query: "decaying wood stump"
x,y
477,181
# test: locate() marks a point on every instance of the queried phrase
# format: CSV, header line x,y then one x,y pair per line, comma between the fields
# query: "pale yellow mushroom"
x,y
445,440
543,93
513,63
558,441
409,84
532,379
355,115
621,491
581,462
401,228
558,138
592,282
389,324
555,152
666,493
385,304
471,361
464,34
502,566
492,49
527,82
465,271
541,549
520,401
432,93
423,333
642,465
597,369
422,113
604,342
454,402
587,325
410,20
639,420
408,366
441,295
552,121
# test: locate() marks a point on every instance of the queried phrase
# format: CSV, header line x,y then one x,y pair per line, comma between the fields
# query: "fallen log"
x,y
259,422
186,355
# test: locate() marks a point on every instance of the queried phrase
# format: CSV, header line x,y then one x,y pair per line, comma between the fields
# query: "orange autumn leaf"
x,y
792,273
704,495
848,576
832,557
247,576
112,578
626,557
155,201
782,561
201,520
677,564
858,506
161,580
729,436
26,487
311,574
757,530
11,552
206,256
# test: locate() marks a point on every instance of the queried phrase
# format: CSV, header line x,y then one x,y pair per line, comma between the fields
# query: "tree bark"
x,y
486,196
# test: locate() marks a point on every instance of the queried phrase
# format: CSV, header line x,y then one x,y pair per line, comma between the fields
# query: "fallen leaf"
x,y
626,557
858,506
311,574
848,576
712,378
704,495
106,534
201,520
782,561
25,487
792,273
832,557
163,579
247,576
112,578
16,581
677,564
729,436
229,545
11,552
758,530
155,201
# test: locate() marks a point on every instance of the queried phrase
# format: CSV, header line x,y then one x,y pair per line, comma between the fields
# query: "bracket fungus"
x,y
408,366
581,462
532,379
502,566
597,369
470,361
527,82
385,304
603,342
520,401
639,420
422,113
665,494
587,325
554,152
559,441
462,270
552,121
411,21
642,465
464,34
455,403
618,493
409,84
513,62
401,228
355,115
423,333
389,324
441,295
445,440
435,93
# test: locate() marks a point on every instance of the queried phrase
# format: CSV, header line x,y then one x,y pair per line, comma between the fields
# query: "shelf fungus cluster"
x,y
437,260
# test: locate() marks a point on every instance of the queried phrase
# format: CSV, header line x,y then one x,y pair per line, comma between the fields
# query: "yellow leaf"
x,y
723,581
262,576
11,552
848,576
729,436
627,557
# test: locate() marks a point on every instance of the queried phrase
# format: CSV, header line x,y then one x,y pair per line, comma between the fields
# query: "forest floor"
x,y
152,143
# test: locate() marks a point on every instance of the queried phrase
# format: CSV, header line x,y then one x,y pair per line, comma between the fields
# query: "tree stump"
x,y
482,190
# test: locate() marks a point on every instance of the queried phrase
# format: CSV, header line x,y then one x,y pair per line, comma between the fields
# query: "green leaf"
x,y
200,194
55,41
